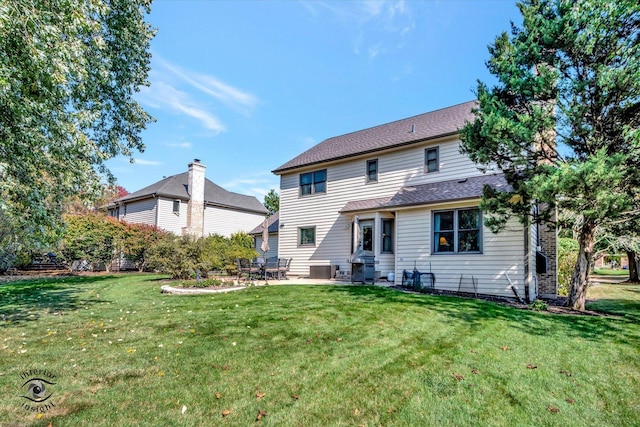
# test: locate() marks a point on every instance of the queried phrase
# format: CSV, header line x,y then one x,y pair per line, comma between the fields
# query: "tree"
x,y
68,72
136,241
93,237
562,123
272,202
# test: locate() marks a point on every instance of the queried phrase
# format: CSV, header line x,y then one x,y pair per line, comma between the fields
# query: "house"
x,y
403,193
189,203
273,224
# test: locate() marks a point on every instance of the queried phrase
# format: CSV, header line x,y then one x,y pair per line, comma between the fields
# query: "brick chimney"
x,y
195,206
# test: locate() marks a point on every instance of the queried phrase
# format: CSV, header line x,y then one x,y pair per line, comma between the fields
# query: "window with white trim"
x,y
457,231
372,170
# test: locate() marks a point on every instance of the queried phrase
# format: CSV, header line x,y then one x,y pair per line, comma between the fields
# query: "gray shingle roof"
x,y
176,187
422,127
274,224
437,192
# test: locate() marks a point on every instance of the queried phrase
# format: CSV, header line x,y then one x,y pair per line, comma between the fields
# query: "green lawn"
x,y
610,272
124,354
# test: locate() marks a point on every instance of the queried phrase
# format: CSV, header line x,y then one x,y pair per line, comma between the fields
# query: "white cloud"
x,y
147,162
178,144
164,96
232,97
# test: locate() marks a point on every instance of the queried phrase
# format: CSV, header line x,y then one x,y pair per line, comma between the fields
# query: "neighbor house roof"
x,y
273,223
423,127
437,192
177,187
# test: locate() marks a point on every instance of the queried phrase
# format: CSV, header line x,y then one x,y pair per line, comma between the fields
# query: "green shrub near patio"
x,y
124,354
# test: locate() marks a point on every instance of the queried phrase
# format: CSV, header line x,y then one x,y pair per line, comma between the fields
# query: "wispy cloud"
x,y
178,144
230,96
163,95
147,162
377,23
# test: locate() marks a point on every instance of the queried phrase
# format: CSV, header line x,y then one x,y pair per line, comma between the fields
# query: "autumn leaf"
x,y
260,394
475,371
261,414
339,339
390,411
504,348
571,401
226,368
567,373
458,376
295,396
226,412
552,409
530,366
218,395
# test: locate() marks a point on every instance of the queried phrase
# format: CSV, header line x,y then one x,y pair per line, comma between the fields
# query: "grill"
x,y
363,268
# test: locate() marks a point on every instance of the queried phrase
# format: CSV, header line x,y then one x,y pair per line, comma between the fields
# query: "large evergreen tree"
x,y
68,72
563,120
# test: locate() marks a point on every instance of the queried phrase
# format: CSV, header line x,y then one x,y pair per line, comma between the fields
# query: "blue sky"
x,y
247,85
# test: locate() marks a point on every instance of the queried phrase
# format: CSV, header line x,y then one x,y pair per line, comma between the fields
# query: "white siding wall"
x,y
226,222
501,254
346,182
140,212
170,221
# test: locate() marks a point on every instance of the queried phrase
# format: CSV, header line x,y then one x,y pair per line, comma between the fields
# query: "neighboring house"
x,y
404,193
188,203
273,225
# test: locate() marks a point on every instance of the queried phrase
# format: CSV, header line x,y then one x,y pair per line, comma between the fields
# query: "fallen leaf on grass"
x,y
261,414
530,366
458,376
571,401
339,339
226,412
390,411
260,394
504,348
295,397
475,371
567,373
218,395
226,368
552,409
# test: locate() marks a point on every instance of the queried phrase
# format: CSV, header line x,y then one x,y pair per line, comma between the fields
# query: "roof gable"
x,y
177,187
435,124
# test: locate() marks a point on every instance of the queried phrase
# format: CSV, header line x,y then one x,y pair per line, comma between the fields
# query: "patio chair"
x,y
244,267
271,267
283,267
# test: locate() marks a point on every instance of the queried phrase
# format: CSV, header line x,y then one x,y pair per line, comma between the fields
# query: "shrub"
x,y
220,253
179,257
567,257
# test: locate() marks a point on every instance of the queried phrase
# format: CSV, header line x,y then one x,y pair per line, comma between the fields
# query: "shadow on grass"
x,y
476,312
28,300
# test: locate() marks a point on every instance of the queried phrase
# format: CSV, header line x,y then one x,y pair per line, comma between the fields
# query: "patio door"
x,y
365,242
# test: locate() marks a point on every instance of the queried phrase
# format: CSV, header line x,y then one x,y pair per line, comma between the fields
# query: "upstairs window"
x,y
457,231
372,170
176,207
431,160
313,182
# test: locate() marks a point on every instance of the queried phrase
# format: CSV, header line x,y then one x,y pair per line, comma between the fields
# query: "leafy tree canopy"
x,y
272,202
68,72
563,121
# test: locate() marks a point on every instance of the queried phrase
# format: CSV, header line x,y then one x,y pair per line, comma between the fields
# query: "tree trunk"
x,y
633,267
580,277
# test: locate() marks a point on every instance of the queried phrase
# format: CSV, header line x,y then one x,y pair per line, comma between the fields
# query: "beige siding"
x,y
502,255
226,222
139,212
346,181
168,220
